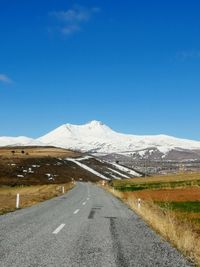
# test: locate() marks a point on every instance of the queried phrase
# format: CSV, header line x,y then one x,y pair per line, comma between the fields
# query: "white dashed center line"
x,y
59,229
76,211
88,198
83,203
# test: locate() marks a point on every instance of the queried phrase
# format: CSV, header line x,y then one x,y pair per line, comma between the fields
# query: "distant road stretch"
x,y
85,227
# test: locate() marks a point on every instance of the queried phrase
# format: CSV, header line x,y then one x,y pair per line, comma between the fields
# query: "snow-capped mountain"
x,y
18,141
96,137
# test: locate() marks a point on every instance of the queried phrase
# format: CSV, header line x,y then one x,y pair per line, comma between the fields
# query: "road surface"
x,y
85,227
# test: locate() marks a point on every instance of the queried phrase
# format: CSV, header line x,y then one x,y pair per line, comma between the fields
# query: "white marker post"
x,y
63,190
139,203
17,201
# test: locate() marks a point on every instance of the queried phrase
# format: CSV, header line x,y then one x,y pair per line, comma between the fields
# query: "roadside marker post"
x,y
17,201
139,203
63,190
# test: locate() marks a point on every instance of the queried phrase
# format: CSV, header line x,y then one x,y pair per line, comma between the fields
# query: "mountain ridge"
x,y
96,137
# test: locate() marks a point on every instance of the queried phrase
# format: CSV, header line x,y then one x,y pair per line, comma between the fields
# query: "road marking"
x,y
88,189
83,203
76,211
59,229
88,198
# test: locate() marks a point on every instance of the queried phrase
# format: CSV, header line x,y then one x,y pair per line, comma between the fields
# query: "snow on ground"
x,y
84,158
115,177
87,168
119,173
20,176
165,149
125,169
142,153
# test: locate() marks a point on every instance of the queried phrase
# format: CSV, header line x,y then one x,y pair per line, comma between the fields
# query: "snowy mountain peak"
x,y
91,125
77,136
96,128
95,123
97,137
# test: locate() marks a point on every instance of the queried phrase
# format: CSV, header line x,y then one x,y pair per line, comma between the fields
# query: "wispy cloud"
x,y
71,20
188,55
5,79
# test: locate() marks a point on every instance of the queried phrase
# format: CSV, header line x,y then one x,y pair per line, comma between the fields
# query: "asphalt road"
x,y
85,227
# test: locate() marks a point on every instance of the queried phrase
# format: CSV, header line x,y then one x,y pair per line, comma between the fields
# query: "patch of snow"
x,y
30,170
20,176
125,169
119,173
87,168
142,153
84,158
164,149
115,177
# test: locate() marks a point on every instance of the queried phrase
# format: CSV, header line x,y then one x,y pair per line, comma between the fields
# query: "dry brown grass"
x,y
6,152
29,195
181,234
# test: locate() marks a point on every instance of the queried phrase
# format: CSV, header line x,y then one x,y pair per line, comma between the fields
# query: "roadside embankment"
x,y
29,195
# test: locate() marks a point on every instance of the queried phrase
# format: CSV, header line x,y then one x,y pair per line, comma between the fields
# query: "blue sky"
x,y
135,65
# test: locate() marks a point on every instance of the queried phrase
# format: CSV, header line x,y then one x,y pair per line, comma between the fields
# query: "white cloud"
x,y
5,79
71,20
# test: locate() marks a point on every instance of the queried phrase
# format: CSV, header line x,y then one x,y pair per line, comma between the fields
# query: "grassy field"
x,y
181,180
179,194
170,204
29,195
